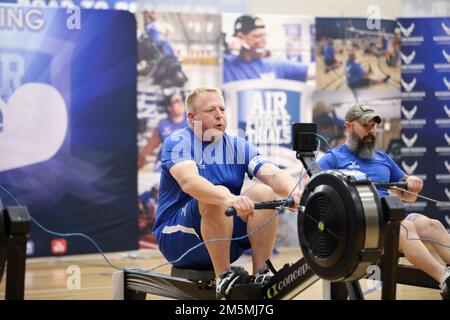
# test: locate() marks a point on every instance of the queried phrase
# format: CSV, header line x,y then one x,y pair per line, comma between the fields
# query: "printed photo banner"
x,y
68,124
357,65
268,79
265,113
176,53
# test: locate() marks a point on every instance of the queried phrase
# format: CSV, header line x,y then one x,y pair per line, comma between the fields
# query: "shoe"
x,y
228,279
445,284
263,276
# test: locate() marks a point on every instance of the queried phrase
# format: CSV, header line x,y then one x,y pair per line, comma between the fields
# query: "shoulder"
x,y
163,122
230,59
179,136
280,63
341,149
384,157
235,141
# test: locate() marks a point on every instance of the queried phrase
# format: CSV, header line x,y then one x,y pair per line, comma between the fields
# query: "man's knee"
x,y
427,227
406,229
261,192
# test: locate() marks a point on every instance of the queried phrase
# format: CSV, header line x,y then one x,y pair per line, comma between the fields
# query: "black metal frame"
x,y
287,283
16,225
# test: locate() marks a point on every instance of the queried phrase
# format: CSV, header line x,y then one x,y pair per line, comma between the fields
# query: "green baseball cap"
x,y
363,113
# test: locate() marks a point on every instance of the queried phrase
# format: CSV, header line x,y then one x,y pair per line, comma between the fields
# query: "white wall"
x,y
389,9
326,8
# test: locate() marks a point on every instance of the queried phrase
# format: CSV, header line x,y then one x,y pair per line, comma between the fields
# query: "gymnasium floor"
x,y
335,79
46,278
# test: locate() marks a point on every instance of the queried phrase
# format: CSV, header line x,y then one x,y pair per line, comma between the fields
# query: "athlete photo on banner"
x,y
268,78
176,52
358,64
68,124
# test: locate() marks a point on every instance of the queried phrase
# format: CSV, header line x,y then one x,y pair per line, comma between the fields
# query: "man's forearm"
x,y
284,183
281,182
204,191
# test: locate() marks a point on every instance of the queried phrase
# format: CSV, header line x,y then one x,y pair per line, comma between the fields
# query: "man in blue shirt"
x,y
329,56
359,153
176,120
252,61
203,171
356,76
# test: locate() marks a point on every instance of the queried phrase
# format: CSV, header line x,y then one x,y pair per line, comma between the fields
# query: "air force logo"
x,y
408,59
446,82
409,86
447,138
407,31
446,55
445,28
409,114
354,165
409,142
410,169
447,110
447,165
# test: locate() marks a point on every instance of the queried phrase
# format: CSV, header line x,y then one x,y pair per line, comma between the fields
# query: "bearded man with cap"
x,y
359,153
251,61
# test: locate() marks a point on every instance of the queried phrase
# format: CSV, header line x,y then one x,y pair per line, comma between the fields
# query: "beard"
x,y
363,148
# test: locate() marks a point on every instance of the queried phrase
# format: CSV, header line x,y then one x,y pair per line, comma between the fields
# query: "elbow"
x,y
188,186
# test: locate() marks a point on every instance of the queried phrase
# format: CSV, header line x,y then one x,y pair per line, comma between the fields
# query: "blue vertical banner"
x,y
426,110
68,124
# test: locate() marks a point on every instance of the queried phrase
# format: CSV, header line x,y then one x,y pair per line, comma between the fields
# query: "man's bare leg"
x,y
263,241
216,225
416,252
432,229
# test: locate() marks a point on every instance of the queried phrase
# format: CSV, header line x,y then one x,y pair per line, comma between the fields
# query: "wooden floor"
x,y
46,278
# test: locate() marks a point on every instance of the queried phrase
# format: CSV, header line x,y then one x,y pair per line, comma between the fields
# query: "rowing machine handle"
x,y
401,185
264,205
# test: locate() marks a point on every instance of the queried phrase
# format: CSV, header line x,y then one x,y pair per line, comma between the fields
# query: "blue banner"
x,y
425,110
68,124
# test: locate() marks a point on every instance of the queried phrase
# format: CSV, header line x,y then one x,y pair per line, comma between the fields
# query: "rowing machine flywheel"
x,y
342,224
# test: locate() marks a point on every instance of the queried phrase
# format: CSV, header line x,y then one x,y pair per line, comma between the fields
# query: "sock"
x,y
444,277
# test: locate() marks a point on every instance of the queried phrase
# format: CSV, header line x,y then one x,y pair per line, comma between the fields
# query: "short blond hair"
x,y
192,97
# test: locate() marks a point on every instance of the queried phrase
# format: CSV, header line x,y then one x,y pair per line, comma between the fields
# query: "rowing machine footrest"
x,y
196,275
193,275
247,291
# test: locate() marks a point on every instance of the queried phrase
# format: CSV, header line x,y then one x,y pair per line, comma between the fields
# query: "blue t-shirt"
x,y
155,37
380,168
329,52
224,162
165,128
235,69
384,42
354,72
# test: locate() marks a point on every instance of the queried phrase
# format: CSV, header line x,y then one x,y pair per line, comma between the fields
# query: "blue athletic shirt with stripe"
x,y
224,162
235,69
380,168
354,72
